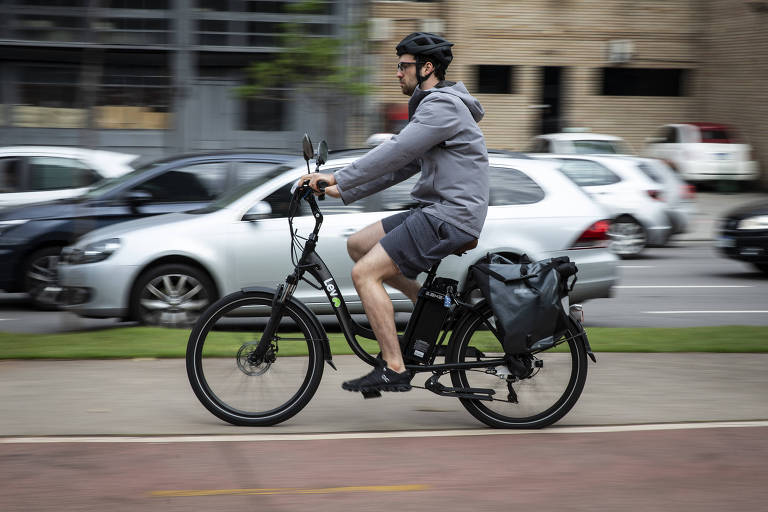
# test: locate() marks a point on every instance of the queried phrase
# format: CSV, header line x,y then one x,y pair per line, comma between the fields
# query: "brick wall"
x,y
723,43
735,73
529,34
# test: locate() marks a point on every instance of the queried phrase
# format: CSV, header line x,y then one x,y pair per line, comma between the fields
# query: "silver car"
x,y
646,200
165,270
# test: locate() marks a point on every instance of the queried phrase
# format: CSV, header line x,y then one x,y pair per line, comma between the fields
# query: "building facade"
x,y
158,76
153,76
620,67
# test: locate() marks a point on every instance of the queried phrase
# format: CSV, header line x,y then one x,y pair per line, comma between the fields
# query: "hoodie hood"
x,y
445,87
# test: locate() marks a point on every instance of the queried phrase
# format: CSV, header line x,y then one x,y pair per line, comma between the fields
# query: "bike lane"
x,y
679,469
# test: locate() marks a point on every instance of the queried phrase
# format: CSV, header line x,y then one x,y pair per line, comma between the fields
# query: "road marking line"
x,y
635,266
212,438
288,490
701,312
687,286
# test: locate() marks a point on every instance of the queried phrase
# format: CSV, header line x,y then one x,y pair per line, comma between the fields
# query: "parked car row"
x,y
166,270
195,227
698,152
32,236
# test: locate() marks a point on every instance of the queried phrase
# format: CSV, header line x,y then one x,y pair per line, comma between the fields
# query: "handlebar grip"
x,y
321,186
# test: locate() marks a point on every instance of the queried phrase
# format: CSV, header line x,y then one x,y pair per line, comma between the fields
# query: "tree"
x,y
312,64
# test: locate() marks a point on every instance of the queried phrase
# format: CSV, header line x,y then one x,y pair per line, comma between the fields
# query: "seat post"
x,y
432,272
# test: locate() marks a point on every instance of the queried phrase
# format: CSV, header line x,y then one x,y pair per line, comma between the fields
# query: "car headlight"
x,y
5,225
91,253
757,222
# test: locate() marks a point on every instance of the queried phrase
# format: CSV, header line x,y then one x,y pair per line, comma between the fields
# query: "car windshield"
x,y
590,147
242,190
106,185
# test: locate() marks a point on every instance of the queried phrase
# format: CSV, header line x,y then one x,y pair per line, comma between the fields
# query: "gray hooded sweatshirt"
x,y
443,141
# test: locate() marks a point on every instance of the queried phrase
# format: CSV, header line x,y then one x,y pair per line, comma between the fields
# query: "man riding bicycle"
x,y
442,141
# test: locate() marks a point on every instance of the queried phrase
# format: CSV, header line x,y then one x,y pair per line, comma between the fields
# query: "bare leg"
x,y
369,275
359,244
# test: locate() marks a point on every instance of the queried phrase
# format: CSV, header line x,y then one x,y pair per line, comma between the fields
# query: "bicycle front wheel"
x,y
234,384
549,389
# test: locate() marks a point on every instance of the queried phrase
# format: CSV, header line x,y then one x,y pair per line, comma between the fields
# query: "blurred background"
x,y
154,77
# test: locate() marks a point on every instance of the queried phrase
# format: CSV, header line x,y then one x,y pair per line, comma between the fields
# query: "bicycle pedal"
x,y
373,393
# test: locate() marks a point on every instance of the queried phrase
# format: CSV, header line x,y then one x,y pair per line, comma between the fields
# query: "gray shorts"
x,y
416,240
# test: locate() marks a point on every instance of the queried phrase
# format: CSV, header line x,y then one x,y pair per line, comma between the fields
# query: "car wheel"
x,y
41,278
171,295
627,236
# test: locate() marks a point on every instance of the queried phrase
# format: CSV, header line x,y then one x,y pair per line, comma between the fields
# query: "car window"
x,y
587,147
10,174
52,173
280,199
652,173
670,135
510,186
540,146
247,171
199,182
588,174
398,197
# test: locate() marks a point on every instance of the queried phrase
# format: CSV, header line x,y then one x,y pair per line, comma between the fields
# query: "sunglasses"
x,y
402,66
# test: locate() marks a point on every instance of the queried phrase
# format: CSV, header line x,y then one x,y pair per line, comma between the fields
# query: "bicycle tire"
x,y
236,389
543,398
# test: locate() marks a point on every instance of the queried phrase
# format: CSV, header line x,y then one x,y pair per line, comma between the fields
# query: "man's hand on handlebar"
x,y
315,179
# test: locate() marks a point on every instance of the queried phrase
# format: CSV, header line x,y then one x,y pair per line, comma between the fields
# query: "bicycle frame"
x,y
310,262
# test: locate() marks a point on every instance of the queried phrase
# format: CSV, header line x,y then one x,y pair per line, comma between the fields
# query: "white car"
x,y
647,202
579,143
703,152
34,174
165,270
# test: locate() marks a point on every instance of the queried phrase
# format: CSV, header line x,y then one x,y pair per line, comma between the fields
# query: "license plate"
x,y
725,242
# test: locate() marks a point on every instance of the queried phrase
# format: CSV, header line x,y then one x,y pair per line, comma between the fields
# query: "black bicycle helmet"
x,y
425,46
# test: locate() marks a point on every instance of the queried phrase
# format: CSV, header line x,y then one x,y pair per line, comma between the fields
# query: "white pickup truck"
x,y
703,152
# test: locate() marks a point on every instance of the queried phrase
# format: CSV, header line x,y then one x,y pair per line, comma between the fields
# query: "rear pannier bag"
x,y
526,299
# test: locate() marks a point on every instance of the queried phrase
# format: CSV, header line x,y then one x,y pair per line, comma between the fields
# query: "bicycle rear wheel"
x,y
236,386
545,395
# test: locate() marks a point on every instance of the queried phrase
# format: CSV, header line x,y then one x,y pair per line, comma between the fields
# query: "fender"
x,y
327,356
574,315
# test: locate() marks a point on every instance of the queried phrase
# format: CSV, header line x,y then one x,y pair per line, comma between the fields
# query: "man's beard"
x,y
408,89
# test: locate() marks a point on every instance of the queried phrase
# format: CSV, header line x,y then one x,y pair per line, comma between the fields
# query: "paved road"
x,y
412,451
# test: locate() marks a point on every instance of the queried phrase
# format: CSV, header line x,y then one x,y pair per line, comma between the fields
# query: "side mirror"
x,y
136,198
322,153
260,210
309,150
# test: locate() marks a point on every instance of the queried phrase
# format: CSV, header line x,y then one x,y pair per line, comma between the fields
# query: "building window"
x,y
134,99
48,98
265,114
643,82
495,79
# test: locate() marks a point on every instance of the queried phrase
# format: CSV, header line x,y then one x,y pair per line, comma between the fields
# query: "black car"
x,y
744,234
32,236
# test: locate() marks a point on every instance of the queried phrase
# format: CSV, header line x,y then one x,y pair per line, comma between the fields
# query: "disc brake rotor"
x,y
249,365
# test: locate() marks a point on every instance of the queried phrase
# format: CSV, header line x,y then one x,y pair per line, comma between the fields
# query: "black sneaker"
x,y
380,379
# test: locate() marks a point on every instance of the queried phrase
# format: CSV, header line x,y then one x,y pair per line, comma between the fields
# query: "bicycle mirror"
x,y
322,153
309,150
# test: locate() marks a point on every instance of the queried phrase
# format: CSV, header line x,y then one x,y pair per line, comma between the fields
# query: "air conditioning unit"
x,y
619,51
380,29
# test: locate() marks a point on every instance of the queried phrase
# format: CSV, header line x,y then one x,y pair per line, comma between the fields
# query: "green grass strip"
x,y
131,342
